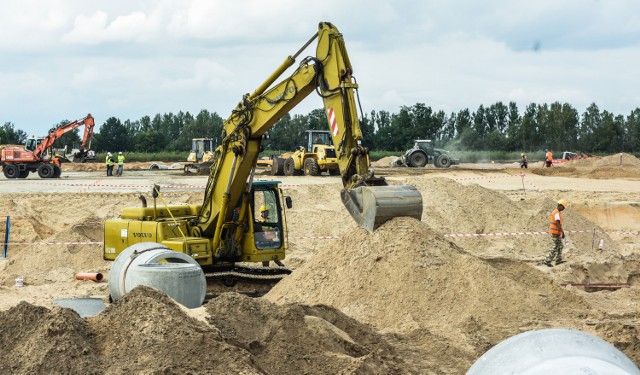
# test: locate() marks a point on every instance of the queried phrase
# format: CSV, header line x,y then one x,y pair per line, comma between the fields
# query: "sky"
x,y
62,59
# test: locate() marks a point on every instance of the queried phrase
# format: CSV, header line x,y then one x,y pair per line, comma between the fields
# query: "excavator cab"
x,y
267,216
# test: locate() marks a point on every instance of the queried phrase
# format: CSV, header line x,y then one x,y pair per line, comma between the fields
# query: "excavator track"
x,y
252,281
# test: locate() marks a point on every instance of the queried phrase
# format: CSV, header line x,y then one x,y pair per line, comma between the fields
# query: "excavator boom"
x,y
369,200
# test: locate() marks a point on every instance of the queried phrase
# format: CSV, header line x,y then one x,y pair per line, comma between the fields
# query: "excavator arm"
x,y
89,123
368,199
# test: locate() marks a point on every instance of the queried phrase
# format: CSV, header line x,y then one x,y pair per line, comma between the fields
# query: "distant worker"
x,y
524,162
557,233
120,164
110,163
548,158
317,140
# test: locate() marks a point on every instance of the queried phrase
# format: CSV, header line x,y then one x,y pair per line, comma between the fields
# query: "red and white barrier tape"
x,y
467,235
144,186
484,177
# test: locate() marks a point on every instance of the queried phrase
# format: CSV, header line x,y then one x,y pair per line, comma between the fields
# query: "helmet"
x,y
546,150
263,208
108,154
120,153
522,154
563,203
57,155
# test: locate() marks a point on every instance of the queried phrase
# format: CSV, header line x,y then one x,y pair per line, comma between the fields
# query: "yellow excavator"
x,y
243,220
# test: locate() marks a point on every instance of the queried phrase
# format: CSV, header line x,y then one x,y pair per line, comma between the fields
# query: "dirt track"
x,y
408,298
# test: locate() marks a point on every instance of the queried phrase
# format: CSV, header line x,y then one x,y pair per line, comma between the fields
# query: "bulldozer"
x,y
200,157
317,155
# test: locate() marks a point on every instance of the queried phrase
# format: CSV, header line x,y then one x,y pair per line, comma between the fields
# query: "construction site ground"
x,y
414,297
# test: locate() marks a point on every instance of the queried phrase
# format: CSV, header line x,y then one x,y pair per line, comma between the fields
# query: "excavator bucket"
x,y
371,206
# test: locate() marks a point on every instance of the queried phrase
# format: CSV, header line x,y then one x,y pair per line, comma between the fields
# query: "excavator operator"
x,y
264,214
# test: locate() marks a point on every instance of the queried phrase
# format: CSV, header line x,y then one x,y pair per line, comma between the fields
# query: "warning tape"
x,y
484,177
145,186
319,237
497,234
456,235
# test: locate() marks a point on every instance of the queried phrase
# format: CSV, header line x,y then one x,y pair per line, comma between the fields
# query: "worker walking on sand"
x,y
524,162
557,233
548,158
120,164
110,163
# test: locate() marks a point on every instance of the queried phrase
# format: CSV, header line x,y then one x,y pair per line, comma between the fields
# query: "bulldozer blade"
x,y
371,206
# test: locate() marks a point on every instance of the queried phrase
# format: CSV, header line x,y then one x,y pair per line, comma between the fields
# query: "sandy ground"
x,y
415,297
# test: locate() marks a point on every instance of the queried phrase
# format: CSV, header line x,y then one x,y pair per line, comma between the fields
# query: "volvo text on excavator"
x,y
229,226
17,162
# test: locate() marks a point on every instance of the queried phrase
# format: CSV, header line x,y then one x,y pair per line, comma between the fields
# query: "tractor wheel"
x,y
57,171
45,171
11,171
289,167
311,167
23,174
443,161
418,159
277,166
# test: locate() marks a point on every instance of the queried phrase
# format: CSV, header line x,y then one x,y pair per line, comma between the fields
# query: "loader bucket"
x,y
371,206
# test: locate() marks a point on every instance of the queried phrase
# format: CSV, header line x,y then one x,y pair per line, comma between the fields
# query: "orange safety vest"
x,y
549,155
553,226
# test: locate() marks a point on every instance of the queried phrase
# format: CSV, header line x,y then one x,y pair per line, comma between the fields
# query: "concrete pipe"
x,y
554,351
156,266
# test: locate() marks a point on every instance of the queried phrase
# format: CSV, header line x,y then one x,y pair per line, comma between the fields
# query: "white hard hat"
x,y
120,153
108,153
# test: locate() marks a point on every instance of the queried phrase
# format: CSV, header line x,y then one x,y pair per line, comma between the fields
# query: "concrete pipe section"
x,y
554,351
156,266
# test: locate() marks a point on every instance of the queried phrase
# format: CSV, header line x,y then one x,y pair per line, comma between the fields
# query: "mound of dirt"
x,y
405,276
147,332
387,161
613,166
36,340
298,339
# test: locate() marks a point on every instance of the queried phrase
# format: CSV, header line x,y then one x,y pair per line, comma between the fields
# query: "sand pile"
x,y
405,276
298,339
146,332
387,161
613,166
450,207
37,223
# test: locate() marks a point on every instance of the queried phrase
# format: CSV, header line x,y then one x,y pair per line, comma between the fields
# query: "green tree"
x,y
10,135
113,136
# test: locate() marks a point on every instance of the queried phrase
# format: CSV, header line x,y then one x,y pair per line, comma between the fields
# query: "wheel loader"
x,y
317,155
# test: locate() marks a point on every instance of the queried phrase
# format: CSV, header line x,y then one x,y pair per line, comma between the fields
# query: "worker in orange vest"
x,y
56,160
557,233
548,158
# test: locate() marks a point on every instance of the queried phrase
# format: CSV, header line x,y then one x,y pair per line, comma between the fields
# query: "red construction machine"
x,y
17,162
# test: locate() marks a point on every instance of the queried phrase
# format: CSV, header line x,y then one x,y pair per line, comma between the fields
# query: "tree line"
x,y
499,127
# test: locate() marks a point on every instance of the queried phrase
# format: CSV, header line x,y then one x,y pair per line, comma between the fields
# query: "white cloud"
x,y
120,58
